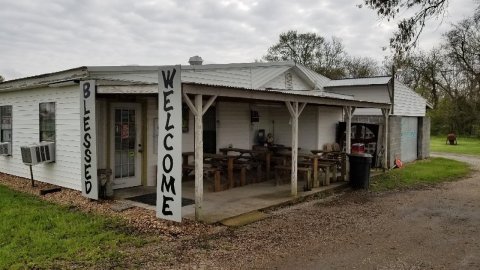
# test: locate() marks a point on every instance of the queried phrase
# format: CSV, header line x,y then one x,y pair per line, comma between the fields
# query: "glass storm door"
x,y
126,145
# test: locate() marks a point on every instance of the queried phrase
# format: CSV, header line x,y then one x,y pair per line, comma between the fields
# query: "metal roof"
x,y
360,81
319,81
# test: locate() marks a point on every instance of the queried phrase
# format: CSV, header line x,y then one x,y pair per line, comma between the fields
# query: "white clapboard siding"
x,y
372,93
282,129
307,129
275,119
328,118
233,125
265,123
407,101
65,171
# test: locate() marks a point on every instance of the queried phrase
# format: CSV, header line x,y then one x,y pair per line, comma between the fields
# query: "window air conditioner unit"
x,y
5,149
43,152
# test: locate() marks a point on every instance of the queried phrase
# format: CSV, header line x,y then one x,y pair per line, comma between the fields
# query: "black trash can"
x,y
360,170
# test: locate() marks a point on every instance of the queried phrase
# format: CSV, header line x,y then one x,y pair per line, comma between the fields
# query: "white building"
x,y
47,108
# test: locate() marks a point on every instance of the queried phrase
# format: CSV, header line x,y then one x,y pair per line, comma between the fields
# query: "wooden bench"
x,y
211,174
306,170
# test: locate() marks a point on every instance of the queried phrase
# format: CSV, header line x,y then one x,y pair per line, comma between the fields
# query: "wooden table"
x,y
316,161
340,158
250,154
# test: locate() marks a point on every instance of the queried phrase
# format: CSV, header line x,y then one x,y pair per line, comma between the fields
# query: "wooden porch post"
x,y
348,114
198,157
198,111
386,114
295,112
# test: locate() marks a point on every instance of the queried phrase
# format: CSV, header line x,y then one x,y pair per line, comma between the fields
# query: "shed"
x,y
408,124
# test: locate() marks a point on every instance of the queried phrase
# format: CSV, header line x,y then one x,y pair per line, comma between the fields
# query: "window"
x,y
47,121
6,124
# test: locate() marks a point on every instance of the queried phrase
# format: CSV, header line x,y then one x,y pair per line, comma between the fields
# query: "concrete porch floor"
x,y
218,206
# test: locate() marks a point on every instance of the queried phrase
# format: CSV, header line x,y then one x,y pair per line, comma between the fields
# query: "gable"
x,y
408,102
289,80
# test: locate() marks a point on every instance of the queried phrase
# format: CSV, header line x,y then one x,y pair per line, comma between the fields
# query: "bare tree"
x,y
409,28
327,57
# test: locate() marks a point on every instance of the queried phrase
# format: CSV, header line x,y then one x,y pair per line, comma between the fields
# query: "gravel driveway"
x,y
427,228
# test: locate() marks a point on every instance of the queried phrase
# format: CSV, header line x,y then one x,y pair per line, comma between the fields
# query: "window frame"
x,y
45,121
2,107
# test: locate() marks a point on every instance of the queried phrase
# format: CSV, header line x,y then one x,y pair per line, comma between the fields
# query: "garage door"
x,y
409,138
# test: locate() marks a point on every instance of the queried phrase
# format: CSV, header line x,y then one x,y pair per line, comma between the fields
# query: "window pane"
x,y
47,121
124,170
5,123
118,171
131,170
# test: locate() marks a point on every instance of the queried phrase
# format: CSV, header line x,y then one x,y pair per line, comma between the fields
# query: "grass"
x,y
424,172
38,234
470,146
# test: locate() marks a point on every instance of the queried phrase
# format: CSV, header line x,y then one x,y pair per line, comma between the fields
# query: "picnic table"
x,y
251,154
316,162
339,157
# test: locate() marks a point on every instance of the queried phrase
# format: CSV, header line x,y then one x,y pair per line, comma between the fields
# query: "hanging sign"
x,y
88,141
169,174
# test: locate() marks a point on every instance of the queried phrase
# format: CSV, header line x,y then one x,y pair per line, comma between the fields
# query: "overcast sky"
x,y
45,36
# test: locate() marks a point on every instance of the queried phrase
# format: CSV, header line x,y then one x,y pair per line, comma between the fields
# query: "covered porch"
x,y
255,194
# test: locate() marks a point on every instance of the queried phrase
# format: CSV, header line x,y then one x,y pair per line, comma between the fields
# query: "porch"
x,y
298,119
218,206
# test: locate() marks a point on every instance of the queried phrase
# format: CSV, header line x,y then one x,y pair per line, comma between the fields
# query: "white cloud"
x,y
45,36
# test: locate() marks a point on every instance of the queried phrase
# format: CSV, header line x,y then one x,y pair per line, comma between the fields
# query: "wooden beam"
x,y
198,158
386,115
293,109
208,104
301,108
290,108
348,139
189,103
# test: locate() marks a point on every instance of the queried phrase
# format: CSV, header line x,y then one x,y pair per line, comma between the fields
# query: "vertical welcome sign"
x,y
88,141
169,172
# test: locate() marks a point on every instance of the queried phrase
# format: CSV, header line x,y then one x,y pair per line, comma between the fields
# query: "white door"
x,y
409,138
125,144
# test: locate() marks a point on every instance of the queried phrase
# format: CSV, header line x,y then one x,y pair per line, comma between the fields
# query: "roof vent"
x,y
195,60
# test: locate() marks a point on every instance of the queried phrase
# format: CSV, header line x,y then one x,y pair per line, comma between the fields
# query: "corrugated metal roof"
x,y
319,81
360,81
238,76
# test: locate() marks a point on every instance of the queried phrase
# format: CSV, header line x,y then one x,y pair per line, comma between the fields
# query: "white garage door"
x,y
409,138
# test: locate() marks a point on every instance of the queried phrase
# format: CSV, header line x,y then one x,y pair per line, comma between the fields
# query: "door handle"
x,y
140,149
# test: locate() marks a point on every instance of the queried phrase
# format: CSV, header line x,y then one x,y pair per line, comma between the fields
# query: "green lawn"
x,y
422,172
38,234
469,146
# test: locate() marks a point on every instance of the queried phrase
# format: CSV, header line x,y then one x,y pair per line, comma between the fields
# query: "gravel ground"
x,y
428,228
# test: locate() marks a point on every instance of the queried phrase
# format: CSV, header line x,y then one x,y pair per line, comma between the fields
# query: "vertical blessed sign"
x,y
169,172
88,142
